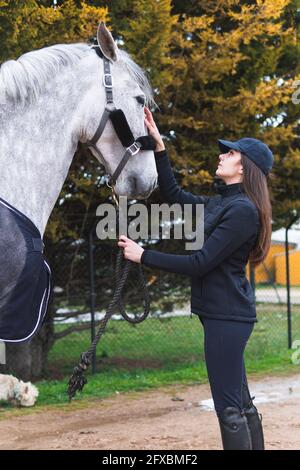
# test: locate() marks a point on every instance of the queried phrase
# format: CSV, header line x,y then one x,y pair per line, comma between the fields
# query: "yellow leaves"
x,y
291,161
89,18
150,32
153,279
204,68
272,8
210,69
264,100
276,136
37,26
191,122
213,53
195,23
199,178
255,21
262,10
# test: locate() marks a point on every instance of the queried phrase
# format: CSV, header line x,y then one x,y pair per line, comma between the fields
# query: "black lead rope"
x,y
78,380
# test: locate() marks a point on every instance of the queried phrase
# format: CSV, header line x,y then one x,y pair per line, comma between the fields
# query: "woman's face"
x,y
230,167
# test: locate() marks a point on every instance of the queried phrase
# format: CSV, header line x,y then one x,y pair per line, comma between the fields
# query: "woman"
x,y
221,295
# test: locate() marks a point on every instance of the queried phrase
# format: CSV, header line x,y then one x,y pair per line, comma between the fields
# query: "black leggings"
x,y
224,344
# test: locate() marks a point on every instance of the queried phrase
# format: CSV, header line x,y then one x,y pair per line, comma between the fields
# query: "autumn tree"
x,y
219,69
224,69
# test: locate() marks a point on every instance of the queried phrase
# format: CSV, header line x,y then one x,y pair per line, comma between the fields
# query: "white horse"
x,y
54,97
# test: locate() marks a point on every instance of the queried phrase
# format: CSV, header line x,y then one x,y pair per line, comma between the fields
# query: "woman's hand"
x,y
152,128
132,250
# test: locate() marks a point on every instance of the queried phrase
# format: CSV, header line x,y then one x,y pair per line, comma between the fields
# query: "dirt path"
x,y
169,418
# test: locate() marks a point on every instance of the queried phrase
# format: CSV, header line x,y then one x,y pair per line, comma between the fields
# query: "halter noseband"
x,y
119,121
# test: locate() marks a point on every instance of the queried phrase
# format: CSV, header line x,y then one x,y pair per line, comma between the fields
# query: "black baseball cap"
x,y
254,149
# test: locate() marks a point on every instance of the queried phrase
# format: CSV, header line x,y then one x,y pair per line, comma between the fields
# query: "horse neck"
x,y
37,146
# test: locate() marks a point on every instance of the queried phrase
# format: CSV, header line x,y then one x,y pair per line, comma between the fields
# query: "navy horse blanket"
x,y
24,276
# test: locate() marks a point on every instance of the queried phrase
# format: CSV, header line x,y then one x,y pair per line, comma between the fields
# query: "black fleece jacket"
x,y
219,286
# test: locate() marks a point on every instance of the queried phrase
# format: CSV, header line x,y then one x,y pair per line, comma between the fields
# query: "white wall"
x,y
293,235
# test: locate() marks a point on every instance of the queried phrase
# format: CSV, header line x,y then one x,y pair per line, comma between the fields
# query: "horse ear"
x,y
106,43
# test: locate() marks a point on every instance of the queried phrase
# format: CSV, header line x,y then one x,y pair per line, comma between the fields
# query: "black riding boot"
x,y
234,430
254,420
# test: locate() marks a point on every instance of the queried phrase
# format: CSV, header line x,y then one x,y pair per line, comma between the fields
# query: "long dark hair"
x,y
255,184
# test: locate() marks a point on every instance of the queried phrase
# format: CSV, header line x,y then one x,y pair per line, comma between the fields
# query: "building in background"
x,y
273,269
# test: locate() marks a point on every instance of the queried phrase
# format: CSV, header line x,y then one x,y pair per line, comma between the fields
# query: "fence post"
x,y
289,313
2,353
92,292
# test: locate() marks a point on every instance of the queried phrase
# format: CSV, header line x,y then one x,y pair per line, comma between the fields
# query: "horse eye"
x,y
140,99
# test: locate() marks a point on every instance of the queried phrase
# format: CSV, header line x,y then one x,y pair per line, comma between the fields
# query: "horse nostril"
x,y
133,180
141,187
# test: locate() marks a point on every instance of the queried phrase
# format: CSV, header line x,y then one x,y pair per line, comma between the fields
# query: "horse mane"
x,y
23,80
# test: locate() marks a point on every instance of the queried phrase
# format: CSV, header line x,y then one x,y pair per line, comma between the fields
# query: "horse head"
x,y
123,90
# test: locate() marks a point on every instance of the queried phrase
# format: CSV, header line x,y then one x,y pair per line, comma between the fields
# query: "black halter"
x,y
119,121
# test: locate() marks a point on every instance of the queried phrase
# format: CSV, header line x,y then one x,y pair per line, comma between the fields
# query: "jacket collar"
x,y
225,190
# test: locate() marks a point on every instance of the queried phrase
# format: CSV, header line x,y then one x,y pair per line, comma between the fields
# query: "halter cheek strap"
x,y
120,124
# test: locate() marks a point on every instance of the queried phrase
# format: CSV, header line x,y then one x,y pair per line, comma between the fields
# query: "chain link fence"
x,y
82,287
84,281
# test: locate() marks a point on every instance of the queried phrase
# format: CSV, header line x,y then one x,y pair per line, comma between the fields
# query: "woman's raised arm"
x,y
170,190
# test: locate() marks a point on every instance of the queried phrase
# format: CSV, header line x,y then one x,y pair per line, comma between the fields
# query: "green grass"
x,y
164,351
161,352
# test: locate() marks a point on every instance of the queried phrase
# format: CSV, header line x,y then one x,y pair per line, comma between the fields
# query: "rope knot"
x,y
77,380
85,360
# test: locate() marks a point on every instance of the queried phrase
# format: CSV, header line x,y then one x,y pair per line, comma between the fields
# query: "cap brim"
x,y
226,144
